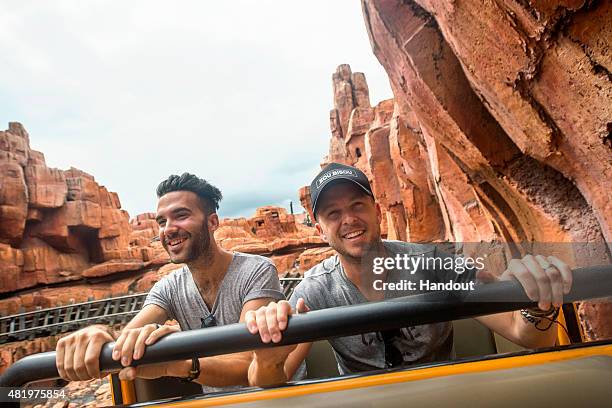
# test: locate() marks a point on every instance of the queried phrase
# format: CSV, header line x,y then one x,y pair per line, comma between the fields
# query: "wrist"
x,y
179,369
270,362
193,372
266,373
537,312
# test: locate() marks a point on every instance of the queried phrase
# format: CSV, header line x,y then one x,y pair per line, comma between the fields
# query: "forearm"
x,y
219,371
266,373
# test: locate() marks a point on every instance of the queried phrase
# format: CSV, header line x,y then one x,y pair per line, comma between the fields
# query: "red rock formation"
x,y
271,231
13,201
474,147
498,130
55,225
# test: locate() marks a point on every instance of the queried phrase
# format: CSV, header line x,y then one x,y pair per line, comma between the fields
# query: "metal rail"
x,y
55,320
116,310
589,283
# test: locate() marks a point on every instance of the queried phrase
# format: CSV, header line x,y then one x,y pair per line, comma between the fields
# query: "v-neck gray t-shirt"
x,y
326,285
248,277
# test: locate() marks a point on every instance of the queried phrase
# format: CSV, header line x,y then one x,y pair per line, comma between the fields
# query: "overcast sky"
x,y
237,92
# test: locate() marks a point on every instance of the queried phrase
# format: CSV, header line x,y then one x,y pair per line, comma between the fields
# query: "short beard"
x,y
201,249
369,251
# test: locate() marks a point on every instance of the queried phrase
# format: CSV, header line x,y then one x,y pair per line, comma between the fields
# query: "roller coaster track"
x,y
55,320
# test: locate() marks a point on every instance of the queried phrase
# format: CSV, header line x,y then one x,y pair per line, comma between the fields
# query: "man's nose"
x,y
348,218
169,228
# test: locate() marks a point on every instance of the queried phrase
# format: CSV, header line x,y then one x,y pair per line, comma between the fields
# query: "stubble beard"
x,y
200,248
367,252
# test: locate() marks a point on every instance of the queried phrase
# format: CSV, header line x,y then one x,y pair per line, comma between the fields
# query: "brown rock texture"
x,y
58,226
499,129
270,232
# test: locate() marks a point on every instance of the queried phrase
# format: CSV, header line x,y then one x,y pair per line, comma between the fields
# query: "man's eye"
x,y
333,214
161,223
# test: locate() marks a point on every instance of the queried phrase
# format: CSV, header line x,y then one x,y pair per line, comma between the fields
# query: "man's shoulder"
x,y
317,283
252,259
324,273
174,279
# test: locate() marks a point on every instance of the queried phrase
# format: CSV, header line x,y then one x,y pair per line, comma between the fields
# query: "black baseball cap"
x,y
334,172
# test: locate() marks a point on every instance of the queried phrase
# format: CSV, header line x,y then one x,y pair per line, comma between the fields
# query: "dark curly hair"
x,y
209,194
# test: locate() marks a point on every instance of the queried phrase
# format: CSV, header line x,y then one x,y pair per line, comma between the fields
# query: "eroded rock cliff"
x,y
499,129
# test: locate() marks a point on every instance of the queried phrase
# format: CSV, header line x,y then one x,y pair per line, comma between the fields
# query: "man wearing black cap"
x,y
349,219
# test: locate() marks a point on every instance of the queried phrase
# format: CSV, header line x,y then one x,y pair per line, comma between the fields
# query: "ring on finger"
x,y
545,264
551,268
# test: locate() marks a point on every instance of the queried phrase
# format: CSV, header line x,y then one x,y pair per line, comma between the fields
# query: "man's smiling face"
x,y
349,219
183,226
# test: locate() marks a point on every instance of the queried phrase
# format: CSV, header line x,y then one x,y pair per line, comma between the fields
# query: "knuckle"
x,y
99,336
76,367
521,272
516,266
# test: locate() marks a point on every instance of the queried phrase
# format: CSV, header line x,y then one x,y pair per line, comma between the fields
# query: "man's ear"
x,y
378,213
321,233
213,222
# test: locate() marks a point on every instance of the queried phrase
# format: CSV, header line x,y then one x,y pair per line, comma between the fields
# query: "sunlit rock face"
x,y
54,224
499,129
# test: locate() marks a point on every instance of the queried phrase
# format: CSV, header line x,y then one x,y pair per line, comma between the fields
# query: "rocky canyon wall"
x,y
499,129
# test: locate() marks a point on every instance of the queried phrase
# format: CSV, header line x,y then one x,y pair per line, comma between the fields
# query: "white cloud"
x,y
237,92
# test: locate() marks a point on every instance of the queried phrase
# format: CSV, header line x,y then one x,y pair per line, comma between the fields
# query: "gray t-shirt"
x,y
326,285
248,277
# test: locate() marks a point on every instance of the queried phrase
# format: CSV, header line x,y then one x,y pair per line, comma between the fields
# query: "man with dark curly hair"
x,y
216,287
